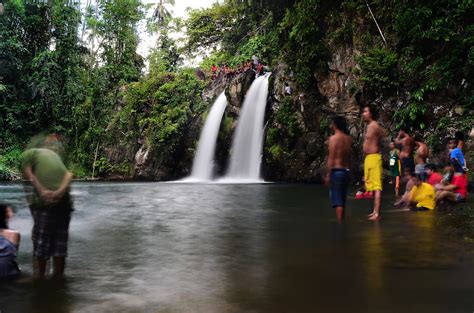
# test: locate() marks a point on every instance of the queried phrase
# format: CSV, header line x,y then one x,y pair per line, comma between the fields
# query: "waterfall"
x,y
247,145
203,163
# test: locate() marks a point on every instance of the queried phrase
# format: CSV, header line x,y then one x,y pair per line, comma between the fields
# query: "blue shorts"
x,y
338,186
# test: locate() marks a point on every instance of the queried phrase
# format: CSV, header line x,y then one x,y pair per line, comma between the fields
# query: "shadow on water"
x,y
28,295
241,248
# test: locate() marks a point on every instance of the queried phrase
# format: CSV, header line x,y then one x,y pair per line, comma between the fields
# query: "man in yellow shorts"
x,y
373,158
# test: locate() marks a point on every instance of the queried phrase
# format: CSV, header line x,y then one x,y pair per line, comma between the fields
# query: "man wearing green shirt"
x,y
50,206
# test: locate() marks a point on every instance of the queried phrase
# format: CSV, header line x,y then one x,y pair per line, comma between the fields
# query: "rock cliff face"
x,y
297,125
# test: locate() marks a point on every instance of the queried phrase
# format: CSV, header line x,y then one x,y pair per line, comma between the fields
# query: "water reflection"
x,y
246,248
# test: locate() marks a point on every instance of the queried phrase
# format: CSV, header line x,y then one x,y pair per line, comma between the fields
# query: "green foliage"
x,y
117,24
275,151
10,162
285,115
226,128
235,31
217,58
161,106
379,69
80,75
208,28
302,34
104,168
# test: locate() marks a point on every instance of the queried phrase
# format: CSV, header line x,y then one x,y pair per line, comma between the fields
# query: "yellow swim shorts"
x,y
373,171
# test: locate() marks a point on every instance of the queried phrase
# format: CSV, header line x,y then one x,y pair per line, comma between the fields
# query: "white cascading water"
x,y
247,145
203,163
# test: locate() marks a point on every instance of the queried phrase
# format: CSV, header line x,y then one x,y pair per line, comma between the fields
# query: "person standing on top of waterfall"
x,y
255,62
338,164
214,71
373,158
408,146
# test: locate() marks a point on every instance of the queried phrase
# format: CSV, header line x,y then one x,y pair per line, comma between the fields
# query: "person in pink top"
x,y
456,191
434,178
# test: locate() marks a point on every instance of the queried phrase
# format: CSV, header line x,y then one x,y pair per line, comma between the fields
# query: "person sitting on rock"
x,y
422,196
405,199
455,191
214,71
434,178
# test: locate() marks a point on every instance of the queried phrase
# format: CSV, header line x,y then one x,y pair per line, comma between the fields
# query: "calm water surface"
x,y
156,247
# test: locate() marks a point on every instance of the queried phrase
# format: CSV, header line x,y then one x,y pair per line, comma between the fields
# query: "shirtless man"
x,y
373,158
421,156
408,146
338,164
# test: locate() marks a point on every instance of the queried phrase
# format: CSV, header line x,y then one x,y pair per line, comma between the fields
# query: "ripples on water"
x,y
151,247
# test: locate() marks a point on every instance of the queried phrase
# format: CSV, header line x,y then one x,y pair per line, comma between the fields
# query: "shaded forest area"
x,y
77,72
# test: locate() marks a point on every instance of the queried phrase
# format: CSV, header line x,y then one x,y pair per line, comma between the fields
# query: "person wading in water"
x,y
373,158
50,206
421,156
408,146
338,164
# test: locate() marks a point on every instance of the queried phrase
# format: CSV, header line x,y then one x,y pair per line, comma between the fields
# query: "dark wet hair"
x,y
453,140
431,167
418,138
340,123
373,111
459,135
404,128
3,216
416,175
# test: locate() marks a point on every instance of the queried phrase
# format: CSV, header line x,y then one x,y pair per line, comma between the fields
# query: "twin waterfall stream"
x,y
247,144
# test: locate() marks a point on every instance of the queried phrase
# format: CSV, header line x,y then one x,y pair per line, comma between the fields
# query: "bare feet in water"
x,y
373,216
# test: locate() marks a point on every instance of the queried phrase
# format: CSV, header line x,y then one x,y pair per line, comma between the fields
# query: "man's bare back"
x,y
340,149
407,142
372,138
421,152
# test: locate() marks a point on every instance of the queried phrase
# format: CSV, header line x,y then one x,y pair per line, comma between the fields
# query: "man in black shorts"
x,y
408,146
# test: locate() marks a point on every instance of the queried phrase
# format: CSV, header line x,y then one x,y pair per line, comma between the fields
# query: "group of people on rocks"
x,y
226,71
51,207
425,187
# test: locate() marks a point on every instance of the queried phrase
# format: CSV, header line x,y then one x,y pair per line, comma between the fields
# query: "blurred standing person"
x,y
373,158
338,165
50,206
395,167
421,157
408,146
456,156
459,136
